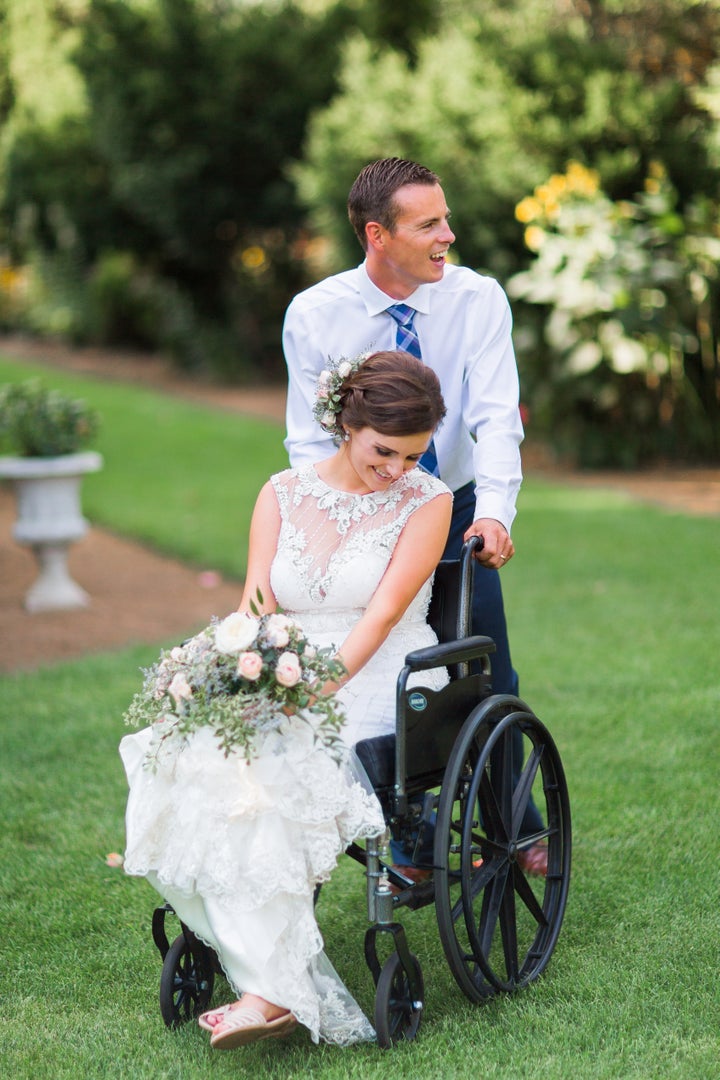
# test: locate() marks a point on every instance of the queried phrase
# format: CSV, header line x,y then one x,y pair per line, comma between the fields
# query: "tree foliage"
x,y
190,173
193,116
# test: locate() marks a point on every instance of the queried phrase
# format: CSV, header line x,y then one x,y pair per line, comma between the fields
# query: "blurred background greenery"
x,y
173,171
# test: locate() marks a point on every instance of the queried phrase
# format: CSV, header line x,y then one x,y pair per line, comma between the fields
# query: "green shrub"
x,y
630,327
40,422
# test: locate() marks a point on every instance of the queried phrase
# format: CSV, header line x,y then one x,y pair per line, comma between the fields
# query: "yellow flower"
x,y
534,237
656,170
558,183
253,258
543,193
527,210
582,181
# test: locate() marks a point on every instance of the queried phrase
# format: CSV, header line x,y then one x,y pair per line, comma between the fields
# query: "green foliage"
x,y
629,373
40,422
499,99
503,95
193,114
175,187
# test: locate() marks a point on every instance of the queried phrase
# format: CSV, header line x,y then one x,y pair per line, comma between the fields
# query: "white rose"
x,y
324,378
344,369
236,633
277,631
328,420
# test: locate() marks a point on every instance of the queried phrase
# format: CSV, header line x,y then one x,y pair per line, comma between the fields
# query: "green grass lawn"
x,y
613,616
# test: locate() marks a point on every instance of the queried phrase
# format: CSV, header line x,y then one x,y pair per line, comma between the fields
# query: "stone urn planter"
x,y
49,519
43,435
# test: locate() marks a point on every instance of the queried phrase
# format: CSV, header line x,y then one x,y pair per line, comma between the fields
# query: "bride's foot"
x,y
248,1020
210,1020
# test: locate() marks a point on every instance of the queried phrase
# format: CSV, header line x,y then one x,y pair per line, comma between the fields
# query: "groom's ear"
x,y
375,235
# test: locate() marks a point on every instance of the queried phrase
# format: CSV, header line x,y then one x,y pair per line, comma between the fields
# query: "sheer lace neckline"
x,y
380,496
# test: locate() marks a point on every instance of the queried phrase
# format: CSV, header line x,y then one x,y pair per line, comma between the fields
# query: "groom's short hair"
x,y
372,196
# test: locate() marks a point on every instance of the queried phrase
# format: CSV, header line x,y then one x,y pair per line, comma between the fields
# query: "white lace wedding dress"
x,y
238,848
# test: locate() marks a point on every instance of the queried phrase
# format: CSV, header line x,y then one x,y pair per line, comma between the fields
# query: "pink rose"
x,y
114,859
179,688
287,670
250,666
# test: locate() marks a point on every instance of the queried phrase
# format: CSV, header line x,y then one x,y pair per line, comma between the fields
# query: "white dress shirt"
x,y
464,326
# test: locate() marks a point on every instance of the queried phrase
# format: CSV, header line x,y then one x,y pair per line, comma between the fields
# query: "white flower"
x,y
309,652
328,420
287,671
344,369
179,688
277,630
236,632
324,379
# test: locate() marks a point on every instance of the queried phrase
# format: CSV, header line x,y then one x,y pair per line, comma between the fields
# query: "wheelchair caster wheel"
x,y
398,1010
187,980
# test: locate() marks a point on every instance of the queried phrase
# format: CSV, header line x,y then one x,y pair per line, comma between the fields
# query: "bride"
x,y
347,547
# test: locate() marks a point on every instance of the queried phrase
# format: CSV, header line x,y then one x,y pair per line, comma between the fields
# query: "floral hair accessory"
x,y
328,395
241,677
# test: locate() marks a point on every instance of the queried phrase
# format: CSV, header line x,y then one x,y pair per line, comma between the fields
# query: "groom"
x,y
407,295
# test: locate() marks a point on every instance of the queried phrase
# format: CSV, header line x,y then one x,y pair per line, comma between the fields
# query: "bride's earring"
x,y
346,436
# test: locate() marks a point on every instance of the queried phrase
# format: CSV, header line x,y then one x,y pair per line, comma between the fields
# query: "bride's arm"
x,y
262,545
417,553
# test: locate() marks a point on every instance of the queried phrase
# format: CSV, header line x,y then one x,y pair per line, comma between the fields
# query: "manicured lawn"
x,y
613,616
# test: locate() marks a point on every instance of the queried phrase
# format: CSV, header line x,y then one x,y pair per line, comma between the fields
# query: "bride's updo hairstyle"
x,y
392,393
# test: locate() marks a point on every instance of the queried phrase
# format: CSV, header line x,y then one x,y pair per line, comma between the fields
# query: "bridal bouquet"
x,y
241,677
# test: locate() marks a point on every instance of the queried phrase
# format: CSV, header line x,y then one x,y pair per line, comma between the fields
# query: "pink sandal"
x,y
245,1025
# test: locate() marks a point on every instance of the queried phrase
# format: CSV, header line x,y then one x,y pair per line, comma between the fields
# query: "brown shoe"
x,y
417,874
534,860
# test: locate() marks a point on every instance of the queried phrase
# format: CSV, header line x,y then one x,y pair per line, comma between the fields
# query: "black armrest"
x,y
449,652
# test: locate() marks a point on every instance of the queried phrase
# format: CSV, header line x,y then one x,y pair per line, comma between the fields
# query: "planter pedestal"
x,y
49,520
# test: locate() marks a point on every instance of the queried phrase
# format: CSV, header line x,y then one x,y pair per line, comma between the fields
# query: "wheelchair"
x,y
460,771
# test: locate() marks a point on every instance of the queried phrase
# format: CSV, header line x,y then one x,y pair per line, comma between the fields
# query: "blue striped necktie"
x,y
406,338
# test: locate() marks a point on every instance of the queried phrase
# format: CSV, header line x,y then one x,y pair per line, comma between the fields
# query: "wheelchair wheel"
x,y
397,1011
187,980
498,925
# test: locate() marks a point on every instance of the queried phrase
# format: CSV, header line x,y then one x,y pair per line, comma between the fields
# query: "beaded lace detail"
x,y
334,546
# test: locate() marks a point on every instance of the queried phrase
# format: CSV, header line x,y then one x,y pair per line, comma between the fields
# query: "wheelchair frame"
x,y
471,760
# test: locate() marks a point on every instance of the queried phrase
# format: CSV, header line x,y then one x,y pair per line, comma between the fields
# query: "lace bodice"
x,y
334,546
333,550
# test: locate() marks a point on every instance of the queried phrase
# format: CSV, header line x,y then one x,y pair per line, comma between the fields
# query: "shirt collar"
x,y
377,301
